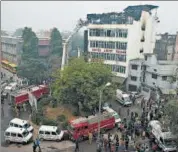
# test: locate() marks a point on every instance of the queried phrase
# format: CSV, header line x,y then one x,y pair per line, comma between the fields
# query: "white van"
x,y
164,138
114,114
50,133
11,87
19,123
18,135
123,98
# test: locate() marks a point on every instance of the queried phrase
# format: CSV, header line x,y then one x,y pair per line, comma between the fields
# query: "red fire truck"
x,y
21,96
79,128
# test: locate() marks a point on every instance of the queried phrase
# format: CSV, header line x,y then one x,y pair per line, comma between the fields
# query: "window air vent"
x,y
141,50
143,39
143,27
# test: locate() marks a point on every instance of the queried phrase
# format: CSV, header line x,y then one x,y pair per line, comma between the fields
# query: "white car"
x,y
19,123
50,133
18,135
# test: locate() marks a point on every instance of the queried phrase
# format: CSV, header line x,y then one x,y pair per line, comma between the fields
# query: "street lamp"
x,y
101,91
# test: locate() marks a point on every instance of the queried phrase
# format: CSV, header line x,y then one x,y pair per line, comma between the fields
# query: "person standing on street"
x,y
38,144
76,146
128,112
127,143
117,145
90,136
34,146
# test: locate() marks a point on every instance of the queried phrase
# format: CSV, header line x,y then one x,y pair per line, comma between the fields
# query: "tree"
x,y
77,41
3,33
171,110
18,32
56,42
80,82
30,44
34,70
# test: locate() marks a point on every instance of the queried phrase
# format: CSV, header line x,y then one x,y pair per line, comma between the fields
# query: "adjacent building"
x,y
133,82
43,46
11,49
165,46
117,38
148,74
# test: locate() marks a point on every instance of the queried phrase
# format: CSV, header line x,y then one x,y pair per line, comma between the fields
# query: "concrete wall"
x,y
137,73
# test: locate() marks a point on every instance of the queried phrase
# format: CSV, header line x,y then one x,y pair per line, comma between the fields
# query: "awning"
x,y
168,91
5,62
117,79
13,65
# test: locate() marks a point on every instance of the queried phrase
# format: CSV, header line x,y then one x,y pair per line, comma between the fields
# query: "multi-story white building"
x,y
117,38
159,74
134,75
147,74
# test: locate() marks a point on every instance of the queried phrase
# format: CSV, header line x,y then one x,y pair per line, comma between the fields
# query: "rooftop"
x,y
15,130
120,17
18,121
48,128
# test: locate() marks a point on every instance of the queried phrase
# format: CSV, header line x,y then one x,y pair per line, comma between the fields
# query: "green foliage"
x,y
61,118
65,124
30,44
76,113
171,110
80,82
77,41
50,122
18,32
34,70
56,42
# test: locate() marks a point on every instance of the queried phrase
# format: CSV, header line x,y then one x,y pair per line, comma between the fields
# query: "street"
x,y
7,114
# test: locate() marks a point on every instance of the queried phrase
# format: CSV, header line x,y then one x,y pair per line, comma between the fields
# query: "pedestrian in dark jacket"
x,y
127,143
34,146
128,112
76,146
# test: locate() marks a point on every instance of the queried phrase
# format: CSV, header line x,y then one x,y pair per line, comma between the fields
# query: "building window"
x,y
121,33
121,45
120,69
134,67
132,87
154,76
133,78
164,78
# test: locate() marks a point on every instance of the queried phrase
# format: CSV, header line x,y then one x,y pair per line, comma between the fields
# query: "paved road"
x,y
6,115
84,146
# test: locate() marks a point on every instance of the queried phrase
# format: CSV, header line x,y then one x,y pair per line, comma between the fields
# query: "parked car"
x,y
19,123
17,135
50,133
123,98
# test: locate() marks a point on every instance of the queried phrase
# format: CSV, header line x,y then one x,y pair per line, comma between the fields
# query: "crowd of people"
x,y
133,129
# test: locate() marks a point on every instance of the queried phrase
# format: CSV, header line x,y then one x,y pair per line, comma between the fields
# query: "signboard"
x,y
108,51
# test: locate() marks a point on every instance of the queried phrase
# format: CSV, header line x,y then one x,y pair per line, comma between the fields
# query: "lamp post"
x,y
101,91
